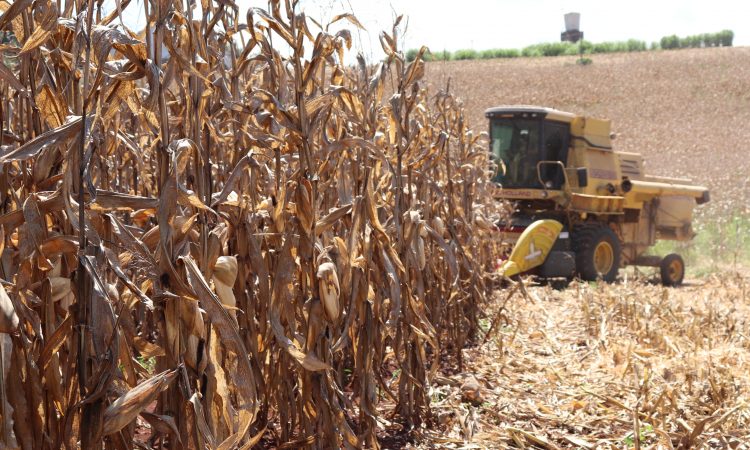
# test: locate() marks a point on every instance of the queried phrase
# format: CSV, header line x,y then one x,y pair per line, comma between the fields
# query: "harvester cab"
x,y
581,208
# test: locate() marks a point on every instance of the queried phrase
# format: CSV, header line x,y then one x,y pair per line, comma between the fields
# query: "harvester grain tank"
x,y
582,208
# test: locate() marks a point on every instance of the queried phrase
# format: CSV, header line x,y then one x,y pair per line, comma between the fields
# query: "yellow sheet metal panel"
x,y
532,247
598,130
528,194
599,204
674,211
560,116
595,132
631,165
602,167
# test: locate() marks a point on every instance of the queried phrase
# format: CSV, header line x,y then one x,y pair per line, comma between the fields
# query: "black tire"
x,y
672,269
559,284
589,243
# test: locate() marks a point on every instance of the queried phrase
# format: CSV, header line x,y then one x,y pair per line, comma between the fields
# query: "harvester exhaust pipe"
x,y
699,193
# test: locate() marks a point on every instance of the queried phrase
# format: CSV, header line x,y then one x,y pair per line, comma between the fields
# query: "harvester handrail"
x,y
566,185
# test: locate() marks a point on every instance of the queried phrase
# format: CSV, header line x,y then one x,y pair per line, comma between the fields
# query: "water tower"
x,y
572,31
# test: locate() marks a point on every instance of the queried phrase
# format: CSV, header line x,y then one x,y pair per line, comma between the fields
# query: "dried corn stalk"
x,y
289,242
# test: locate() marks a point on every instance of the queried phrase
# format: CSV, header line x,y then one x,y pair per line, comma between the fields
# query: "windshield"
x,y
515,150
519,144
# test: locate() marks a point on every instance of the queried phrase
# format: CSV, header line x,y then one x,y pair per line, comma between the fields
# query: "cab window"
x,y
515,145
555,148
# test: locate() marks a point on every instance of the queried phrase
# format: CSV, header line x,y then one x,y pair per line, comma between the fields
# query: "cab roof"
x,y
530,111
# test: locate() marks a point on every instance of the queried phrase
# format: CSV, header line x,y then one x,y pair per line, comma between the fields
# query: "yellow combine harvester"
x,y
582,208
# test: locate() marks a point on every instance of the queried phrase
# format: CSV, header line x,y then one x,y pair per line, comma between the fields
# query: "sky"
x,y
485,24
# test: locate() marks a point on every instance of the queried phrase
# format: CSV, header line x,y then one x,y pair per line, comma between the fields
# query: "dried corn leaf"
x,y
128,406
58,136
8,317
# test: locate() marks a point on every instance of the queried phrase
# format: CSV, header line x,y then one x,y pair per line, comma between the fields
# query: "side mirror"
x,y
583,176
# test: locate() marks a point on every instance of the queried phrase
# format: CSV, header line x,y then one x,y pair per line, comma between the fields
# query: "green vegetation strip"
x,y
721,39
720,243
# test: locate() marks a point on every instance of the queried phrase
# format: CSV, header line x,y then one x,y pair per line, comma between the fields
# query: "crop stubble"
x,y
587,367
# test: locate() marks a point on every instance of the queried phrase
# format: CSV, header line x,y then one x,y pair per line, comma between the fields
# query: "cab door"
x,y
555,145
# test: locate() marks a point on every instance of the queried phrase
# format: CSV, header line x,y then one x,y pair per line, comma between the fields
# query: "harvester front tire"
x,y
672,269
598,252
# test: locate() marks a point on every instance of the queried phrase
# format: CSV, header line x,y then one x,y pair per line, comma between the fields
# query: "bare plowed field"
x,y
687,111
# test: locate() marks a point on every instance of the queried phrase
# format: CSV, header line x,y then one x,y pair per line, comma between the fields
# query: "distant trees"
x,y
465,54
723,38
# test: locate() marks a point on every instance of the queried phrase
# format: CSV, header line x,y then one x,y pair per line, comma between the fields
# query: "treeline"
x,y
721,39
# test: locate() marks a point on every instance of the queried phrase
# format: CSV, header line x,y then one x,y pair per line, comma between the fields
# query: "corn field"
x,y
215,234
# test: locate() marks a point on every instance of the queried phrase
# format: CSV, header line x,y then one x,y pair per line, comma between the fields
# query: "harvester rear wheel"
x,y
597,251
672,270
